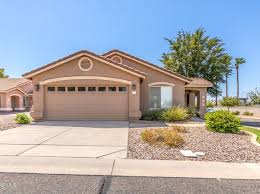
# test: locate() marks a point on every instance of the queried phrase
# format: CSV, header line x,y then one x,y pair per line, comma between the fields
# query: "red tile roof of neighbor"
x,y
9,83
199,82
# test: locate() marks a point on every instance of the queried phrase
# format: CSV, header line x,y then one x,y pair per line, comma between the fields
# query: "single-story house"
x,y
15,94
112,86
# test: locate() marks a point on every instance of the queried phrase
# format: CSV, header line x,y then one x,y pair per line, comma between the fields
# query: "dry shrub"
x,y
179,128
173,139
162,136
148,136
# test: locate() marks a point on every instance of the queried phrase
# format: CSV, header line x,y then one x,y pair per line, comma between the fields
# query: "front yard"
x,y
225,147
7,121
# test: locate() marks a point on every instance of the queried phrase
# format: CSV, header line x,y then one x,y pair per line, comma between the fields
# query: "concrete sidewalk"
x,y
126,167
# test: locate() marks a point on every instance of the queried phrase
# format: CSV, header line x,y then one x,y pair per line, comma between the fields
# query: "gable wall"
x,y
27,88
155,76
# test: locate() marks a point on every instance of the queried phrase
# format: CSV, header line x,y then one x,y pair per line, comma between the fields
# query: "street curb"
x,y
253,138
186,169
129,167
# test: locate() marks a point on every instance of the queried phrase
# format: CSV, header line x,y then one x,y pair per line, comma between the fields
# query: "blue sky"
x,y
33,33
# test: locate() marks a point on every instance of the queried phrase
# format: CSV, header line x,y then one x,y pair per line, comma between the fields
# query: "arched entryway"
x,y
15,102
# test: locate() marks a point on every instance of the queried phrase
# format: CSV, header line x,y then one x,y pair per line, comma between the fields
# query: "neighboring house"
x,y
15,94
112,86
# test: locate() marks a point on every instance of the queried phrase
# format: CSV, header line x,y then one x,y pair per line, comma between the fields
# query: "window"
x,y
85,64
81,89
122,89
51,89
61,89
24,101
112,89
101,89
161,97
91,89
71,89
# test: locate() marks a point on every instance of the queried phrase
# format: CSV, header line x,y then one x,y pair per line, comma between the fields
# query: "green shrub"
x,y
222,121
23,118
192,112
236,112
230,102
162,136
210,104
247,113
153,115
175,114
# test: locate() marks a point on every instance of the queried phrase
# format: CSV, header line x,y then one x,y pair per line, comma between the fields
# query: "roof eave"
x,y
44,68
114,51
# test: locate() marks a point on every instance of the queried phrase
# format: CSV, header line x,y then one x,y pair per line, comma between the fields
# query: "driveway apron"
x,y
90,139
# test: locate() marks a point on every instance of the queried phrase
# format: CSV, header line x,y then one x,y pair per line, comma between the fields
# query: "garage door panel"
x,y
86,106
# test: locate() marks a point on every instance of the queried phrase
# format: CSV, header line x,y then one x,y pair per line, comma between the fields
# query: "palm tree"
x,y
239,61
228,70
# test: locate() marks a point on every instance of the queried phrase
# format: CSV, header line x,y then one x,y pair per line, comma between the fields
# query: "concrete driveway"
x,y
91,139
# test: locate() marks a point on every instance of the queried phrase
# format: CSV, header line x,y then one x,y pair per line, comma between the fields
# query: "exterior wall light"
x,y
37,87
133,89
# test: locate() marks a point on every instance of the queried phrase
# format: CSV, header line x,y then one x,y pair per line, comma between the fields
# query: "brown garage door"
x,y
86,105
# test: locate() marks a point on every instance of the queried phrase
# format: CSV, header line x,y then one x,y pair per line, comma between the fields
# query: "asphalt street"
x,y
250,122
43,183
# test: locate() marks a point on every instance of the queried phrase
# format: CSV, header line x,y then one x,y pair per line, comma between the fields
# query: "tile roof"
x,y
153,65
199,82
86,52
9,83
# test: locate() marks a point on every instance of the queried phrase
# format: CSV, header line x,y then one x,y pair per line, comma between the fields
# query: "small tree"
x,y
230,102
254,96
2,73
196,54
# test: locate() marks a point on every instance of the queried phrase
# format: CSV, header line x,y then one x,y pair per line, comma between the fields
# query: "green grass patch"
x,y
252,130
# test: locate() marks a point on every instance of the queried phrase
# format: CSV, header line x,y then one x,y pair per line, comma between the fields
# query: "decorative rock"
x,y
188,153
200,153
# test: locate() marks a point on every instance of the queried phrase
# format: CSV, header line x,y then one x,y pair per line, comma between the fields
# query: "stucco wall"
x,y
156,76
2,101
71,68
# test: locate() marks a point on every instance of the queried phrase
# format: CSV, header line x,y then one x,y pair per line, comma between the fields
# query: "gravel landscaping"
x,y
224,147
7,125
7,121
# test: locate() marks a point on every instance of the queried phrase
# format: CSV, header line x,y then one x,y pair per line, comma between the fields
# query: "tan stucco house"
x,y
15,94
112,86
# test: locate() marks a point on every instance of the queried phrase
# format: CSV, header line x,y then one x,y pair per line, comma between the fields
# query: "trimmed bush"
x,y
153,115
247,113
23,118
175,114
222,121
162,136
